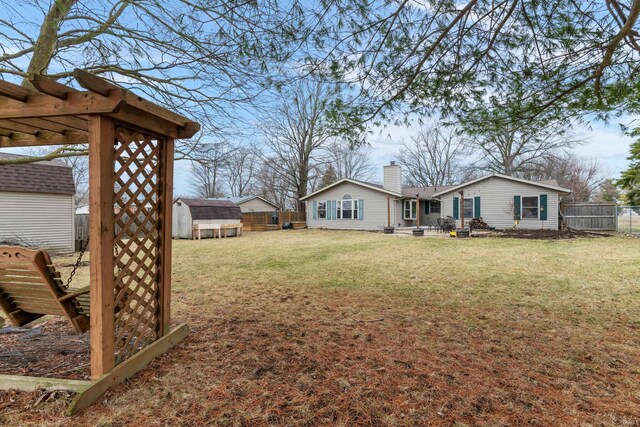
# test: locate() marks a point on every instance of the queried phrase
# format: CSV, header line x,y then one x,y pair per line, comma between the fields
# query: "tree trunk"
x,y
45,45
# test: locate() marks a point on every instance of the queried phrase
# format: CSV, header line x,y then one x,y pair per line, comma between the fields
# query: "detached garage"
x,y
37,204
189,212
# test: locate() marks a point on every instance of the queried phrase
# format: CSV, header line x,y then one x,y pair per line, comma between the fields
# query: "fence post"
x,y
630,220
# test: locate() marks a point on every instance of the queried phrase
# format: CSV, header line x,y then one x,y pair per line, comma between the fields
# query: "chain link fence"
x,y
628,220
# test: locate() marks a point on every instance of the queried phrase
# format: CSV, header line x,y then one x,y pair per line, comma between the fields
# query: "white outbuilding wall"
x,y
41,220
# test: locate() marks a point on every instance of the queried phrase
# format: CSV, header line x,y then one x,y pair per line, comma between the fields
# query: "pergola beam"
x,y
42,105
54,124
10,127
94,83
51,87
15,92
143,119
18,139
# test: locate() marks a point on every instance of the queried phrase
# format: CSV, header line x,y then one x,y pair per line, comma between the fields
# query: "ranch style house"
x,y
499,200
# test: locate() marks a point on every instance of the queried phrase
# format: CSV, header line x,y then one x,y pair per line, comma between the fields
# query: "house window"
x,y
434,206
410,209
530,207
322,210
347,208
468,208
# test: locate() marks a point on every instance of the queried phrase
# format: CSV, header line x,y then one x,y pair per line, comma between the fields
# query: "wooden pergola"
x,y
131,145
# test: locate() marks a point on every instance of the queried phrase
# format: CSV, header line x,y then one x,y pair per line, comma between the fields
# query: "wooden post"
x,y
417,211
165,223
101,231
462,209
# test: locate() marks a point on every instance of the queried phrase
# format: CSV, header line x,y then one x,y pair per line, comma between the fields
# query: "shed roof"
x,y
243,199
48,177
212,209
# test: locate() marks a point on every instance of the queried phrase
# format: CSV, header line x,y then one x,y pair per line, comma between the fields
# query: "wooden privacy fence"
x,y
263,221
138,227
81,230
590,216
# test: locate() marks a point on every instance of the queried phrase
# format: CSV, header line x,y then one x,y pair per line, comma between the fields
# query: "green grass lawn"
x,y
352,328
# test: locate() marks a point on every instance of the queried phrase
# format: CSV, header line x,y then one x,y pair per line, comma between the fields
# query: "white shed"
x,y
187,212
37,204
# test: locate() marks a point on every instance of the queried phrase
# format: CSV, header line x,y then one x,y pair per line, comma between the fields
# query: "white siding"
x,y
42,220
375,208
181,221
256,205
496,203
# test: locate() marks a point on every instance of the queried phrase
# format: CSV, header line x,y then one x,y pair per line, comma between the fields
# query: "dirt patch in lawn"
x,y
542,234
49,349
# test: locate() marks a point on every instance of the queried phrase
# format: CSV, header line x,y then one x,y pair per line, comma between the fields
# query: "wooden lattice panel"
x,y
138,240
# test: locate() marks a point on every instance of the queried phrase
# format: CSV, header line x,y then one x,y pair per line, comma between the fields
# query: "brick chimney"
x,y
393,177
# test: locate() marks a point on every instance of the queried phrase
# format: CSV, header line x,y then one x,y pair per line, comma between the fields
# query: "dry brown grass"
x,y
349,328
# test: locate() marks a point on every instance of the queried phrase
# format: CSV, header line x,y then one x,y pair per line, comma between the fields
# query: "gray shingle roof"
x,y
212,209
424,192
48,177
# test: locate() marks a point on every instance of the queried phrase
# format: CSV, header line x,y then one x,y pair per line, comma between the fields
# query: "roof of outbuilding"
x,y
212,209
242,199
48,177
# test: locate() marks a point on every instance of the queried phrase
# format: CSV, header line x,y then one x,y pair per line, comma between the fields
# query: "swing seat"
x,y
31,287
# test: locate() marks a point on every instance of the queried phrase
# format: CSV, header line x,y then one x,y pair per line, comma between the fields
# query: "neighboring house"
x,y
37,204
497,199
250,204
187,212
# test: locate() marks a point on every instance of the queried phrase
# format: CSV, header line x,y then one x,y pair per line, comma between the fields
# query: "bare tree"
x,y
518,151
206,172
433,157
272,186
583,177
241,170
295,134
353,162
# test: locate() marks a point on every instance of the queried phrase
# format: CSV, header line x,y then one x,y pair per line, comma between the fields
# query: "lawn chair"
x,y
31,287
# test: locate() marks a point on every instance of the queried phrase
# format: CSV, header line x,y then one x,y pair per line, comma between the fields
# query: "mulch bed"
x,y
48,349
542,234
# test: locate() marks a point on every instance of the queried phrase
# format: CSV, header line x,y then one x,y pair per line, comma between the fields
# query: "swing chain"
x,y
77,264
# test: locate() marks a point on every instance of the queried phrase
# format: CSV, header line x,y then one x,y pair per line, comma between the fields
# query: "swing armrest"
x,y
76,293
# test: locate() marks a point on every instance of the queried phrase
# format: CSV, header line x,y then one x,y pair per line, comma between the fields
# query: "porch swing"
x,y
126,308
32,287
